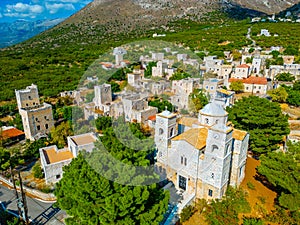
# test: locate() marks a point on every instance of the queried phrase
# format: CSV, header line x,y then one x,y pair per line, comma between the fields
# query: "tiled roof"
x,y
53,156
243,66
196,137
187,121
226,92
12,132
152,118
239,134
251,80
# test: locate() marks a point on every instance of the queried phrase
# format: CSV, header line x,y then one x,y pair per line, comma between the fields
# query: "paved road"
x,y
40,212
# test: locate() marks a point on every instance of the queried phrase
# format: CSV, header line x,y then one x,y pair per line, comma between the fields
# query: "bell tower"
x,y
165,130
215,172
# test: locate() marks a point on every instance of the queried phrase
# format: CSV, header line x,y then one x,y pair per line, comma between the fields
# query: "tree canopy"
x,y
284,77
278,94
94,199
237,86
262,119
197,100
283,171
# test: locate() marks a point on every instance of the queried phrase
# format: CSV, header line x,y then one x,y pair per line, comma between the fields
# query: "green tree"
x,y
32,148
291,50
179,75
161,104
60,133
186,213
103,122
148,71
237,86
263,120
197,100
225,211
278,94
4,159
283,171
252,221
37,171
96,200
284,77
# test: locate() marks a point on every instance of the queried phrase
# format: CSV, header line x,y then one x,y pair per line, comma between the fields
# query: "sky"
x,y
31,10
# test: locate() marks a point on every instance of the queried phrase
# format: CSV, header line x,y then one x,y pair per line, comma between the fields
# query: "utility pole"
x,y
24,202
21,200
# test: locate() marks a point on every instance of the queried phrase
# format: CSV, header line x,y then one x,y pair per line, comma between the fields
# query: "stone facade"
x,y
205,156
37,118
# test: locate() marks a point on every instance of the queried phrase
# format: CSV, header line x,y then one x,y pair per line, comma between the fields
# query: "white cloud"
x,y
23,10
1,15
54,8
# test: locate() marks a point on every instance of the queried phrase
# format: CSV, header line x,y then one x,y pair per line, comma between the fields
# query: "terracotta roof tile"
x,y
243,66
239,134
53,156
196,137
187,121
251,80
12,132
152,118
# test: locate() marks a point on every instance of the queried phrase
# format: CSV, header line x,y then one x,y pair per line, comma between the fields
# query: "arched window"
x,y
171,132
161,131
214,147
206,121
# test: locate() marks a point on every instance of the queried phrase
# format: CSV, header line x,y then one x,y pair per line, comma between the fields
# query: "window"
x,y
217,121
57,176
210,192
161,131
206,120
38,127
185,161
172,132
212,175
181,160
214,147
46,126
182,182
29,97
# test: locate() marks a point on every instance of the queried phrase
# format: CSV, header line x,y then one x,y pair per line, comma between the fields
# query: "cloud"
x,y
54,8
23,10
1,15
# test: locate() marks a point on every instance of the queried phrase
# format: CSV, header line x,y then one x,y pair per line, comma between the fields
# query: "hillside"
x,y
56,59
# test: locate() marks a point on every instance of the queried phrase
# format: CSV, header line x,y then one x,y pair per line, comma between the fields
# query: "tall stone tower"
x,y
103,96
37,118
28,97
165,129
215,171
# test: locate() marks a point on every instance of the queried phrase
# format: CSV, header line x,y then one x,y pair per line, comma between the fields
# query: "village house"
x,y
241,71
203,156
182,89
211,85
254,85
10,135
37,118
53,159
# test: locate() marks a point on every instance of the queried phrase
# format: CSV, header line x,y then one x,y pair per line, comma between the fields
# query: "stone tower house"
x,y
37,118
103,96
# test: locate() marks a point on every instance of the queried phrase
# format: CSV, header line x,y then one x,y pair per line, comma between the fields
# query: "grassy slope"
x,y
56,60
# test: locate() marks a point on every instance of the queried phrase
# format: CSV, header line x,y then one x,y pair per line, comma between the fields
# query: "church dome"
x,y
213,109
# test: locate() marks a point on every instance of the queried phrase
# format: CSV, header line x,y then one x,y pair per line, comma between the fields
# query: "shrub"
x,y
250,185
186,213
37,171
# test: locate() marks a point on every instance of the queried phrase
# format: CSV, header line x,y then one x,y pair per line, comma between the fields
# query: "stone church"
x,y
203,155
